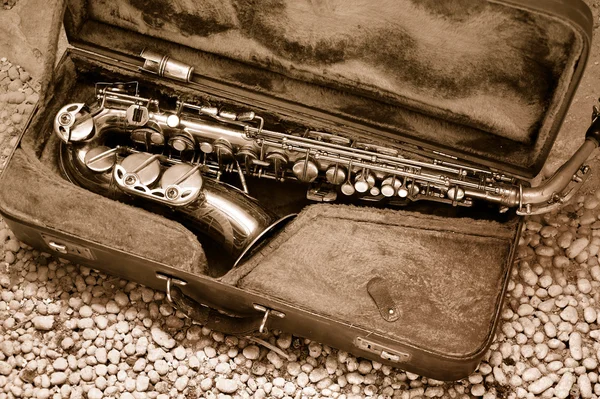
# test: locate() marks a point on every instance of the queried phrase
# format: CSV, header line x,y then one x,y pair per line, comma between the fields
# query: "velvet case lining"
x,y
484,80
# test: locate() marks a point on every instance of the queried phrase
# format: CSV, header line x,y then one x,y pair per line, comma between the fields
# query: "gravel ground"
x,y
69,331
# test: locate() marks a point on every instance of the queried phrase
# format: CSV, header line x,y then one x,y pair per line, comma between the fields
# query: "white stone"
x,y
584,286
162,338
44,323
318,374
540,385
577,247
525,309
182,382
531,374
590,315
575,346
206,384
355,378
275,359
95,393
563,388
142,383
251,352
585,386
569,314
58,378
478,390
226,385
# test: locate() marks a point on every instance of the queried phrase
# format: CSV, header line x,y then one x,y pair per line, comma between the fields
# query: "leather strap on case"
x,y
378,289
210,318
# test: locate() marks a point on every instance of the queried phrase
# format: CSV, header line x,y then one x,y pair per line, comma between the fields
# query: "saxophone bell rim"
x,y
254,243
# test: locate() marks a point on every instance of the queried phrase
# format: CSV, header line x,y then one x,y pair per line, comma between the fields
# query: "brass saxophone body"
x,y
125,144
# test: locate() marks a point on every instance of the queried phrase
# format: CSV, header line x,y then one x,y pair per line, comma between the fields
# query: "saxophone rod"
x,y
511,195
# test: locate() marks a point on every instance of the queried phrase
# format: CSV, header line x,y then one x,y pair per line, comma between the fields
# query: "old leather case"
x,y
419,288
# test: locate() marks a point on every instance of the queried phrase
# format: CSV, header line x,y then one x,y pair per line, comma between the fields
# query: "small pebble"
x,y
226,385
540,385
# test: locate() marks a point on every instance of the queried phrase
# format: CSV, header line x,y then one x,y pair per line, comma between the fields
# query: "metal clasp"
x,y
170,281
58,247
65,247
267,312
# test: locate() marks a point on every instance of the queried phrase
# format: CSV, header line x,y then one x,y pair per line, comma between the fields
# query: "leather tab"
x,y
378,290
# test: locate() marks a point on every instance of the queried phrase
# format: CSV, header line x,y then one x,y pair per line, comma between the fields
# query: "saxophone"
x,y
125,144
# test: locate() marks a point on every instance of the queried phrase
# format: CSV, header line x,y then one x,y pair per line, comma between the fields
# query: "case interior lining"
x,y
33,191
453,269
464,74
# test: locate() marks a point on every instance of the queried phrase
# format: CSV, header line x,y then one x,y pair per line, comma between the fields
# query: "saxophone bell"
x,y
210,208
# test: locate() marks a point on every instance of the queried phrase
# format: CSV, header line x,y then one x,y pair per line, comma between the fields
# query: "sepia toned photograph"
x,y
299,199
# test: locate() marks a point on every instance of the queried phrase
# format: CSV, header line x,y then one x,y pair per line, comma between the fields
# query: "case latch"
x,y
164,66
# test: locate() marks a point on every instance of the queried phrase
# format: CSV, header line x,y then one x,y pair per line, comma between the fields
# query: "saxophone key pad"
x,y
181,181
100,159
181,143
144,166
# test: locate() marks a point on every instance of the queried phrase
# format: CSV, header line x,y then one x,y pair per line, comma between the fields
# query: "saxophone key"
x,y
173,121
456,193
336,174
364,181
137,115
101,158
181,181
223,148
403,190
147,137
348,189
278,160
228,115
413,189
248,156
141,167
206,147
247,116
321,193
391,186
306,170
181,143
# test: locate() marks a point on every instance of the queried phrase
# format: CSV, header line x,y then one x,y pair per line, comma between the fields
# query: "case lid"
x,y
487,81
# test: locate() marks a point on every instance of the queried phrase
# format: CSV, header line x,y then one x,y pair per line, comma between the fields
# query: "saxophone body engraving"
x,y
124,143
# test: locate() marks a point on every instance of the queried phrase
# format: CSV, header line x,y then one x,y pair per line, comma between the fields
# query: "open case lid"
x,y
486,81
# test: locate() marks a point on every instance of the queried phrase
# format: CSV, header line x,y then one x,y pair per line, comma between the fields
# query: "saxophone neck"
x,y
565,182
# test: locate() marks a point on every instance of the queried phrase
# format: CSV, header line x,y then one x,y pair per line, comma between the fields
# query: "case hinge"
x,y
164,66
